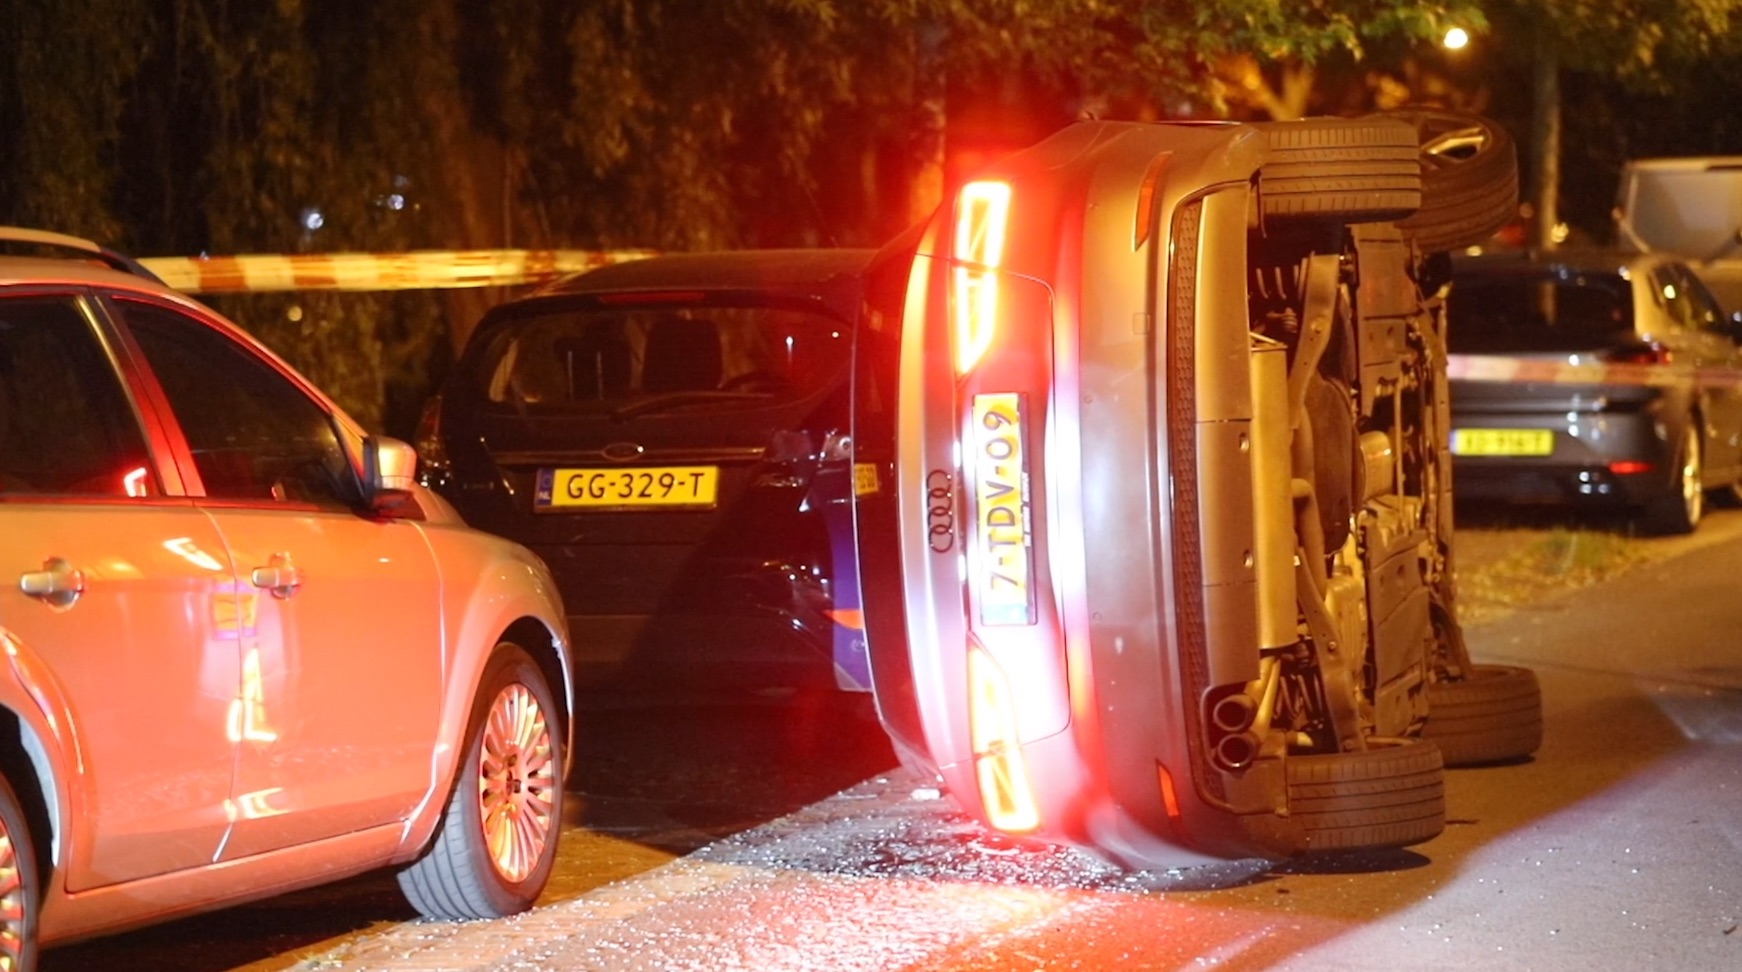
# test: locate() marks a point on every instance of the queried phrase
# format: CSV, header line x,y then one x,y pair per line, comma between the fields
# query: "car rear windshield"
x,y
1511,314
621,361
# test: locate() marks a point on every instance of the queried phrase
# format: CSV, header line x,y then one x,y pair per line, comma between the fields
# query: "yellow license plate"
x,y
662,487
1000,567
1502,442
865,480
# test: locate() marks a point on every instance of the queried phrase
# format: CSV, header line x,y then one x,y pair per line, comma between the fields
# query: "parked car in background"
x,y
1594,377
674,437
245,651
1688,207
1171,516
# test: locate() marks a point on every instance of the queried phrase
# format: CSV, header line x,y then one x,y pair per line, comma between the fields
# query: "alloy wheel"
x,y
1693,494
13,902
516,783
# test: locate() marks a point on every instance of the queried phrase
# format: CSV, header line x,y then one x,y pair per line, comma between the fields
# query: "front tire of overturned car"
x,y
496,844
1469,179
1492,715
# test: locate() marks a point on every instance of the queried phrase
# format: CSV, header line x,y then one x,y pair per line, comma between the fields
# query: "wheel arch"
x,y
25,764
542,644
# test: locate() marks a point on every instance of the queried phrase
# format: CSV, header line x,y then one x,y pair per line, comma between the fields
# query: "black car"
x,y
674,437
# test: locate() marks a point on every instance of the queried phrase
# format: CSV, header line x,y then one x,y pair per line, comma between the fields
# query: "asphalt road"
x,y
1619,846
656,778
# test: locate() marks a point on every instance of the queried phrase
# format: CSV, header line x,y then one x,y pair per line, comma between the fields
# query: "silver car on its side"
x,y
244,651
1171,507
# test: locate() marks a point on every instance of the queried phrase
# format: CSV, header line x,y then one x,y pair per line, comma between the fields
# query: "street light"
x,y
1456,39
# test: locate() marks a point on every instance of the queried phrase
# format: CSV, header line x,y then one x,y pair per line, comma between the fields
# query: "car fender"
x,y
48,736
507,584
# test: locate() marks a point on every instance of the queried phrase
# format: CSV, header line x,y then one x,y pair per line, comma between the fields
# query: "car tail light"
x,y
1629,467
1006,791
432,455
982,213
1645,353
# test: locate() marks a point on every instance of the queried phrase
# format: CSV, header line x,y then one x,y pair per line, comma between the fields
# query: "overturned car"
x,y
1165,424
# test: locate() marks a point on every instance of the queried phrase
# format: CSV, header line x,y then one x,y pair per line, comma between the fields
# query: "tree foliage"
x,y
1639,42
232,126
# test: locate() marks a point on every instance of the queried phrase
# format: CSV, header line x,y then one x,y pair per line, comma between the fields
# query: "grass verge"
x,y
1541,564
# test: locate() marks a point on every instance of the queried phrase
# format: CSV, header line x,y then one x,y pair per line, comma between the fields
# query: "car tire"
x,y
496,843
1390,795
1350,170
1680,509
1492,715
19,896
1469,179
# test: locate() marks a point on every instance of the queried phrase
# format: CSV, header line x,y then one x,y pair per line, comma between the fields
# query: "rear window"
x,y
1507,314
612,360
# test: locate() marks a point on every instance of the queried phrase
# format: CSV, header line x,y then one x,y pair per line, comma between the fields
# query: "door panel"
x,y
120,600
147,658
342,667
342,675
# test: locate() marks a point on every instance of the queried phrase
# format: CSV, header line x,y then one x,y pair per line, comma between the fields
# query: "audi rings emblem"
x,y
940,511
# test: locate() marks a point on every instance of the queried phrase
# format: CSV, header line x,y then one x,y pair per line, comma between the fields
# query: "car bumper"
x,y
1619,459
1138,598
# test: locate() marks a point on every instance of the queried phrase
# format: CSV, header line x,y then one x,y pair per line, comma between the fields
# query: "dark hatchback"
x,y
674,437
1593,378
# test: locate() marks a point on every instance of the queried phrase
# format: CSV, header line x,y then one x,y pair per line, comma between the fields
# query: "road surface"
x,y
1619,846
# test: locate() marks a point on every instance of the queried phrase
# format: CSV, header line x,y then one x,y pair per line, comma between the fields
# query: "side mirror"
x,y
390,471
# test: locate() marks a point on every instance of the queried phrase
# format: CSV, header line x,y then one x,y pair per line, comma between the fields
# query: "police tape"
x,y
413,270
1571,370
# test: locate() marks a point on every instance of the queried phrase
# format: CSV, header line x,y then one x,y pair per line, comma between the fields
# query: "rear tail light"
x,y
1629,467
1644,353
427,440
982,213
1006,791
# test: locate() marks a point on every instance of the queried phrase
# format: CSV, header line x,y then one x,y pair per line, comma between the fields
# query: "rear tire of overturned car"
x,y
1351,170
1391,795
496,844
1492,715
1469,179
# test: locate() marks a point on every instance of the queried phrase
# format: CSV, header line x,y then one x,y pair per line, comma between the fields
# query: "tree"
x,y
68,64
186,126
1639,44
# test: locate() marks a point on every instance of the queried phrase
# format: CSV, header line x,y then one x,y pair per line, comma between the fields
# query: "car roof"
x,y
17,270
20,242
815,272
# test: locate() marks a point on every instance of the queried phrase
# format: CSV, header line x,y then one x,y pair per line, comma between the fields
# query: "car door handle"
x,y
282,579
58,583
